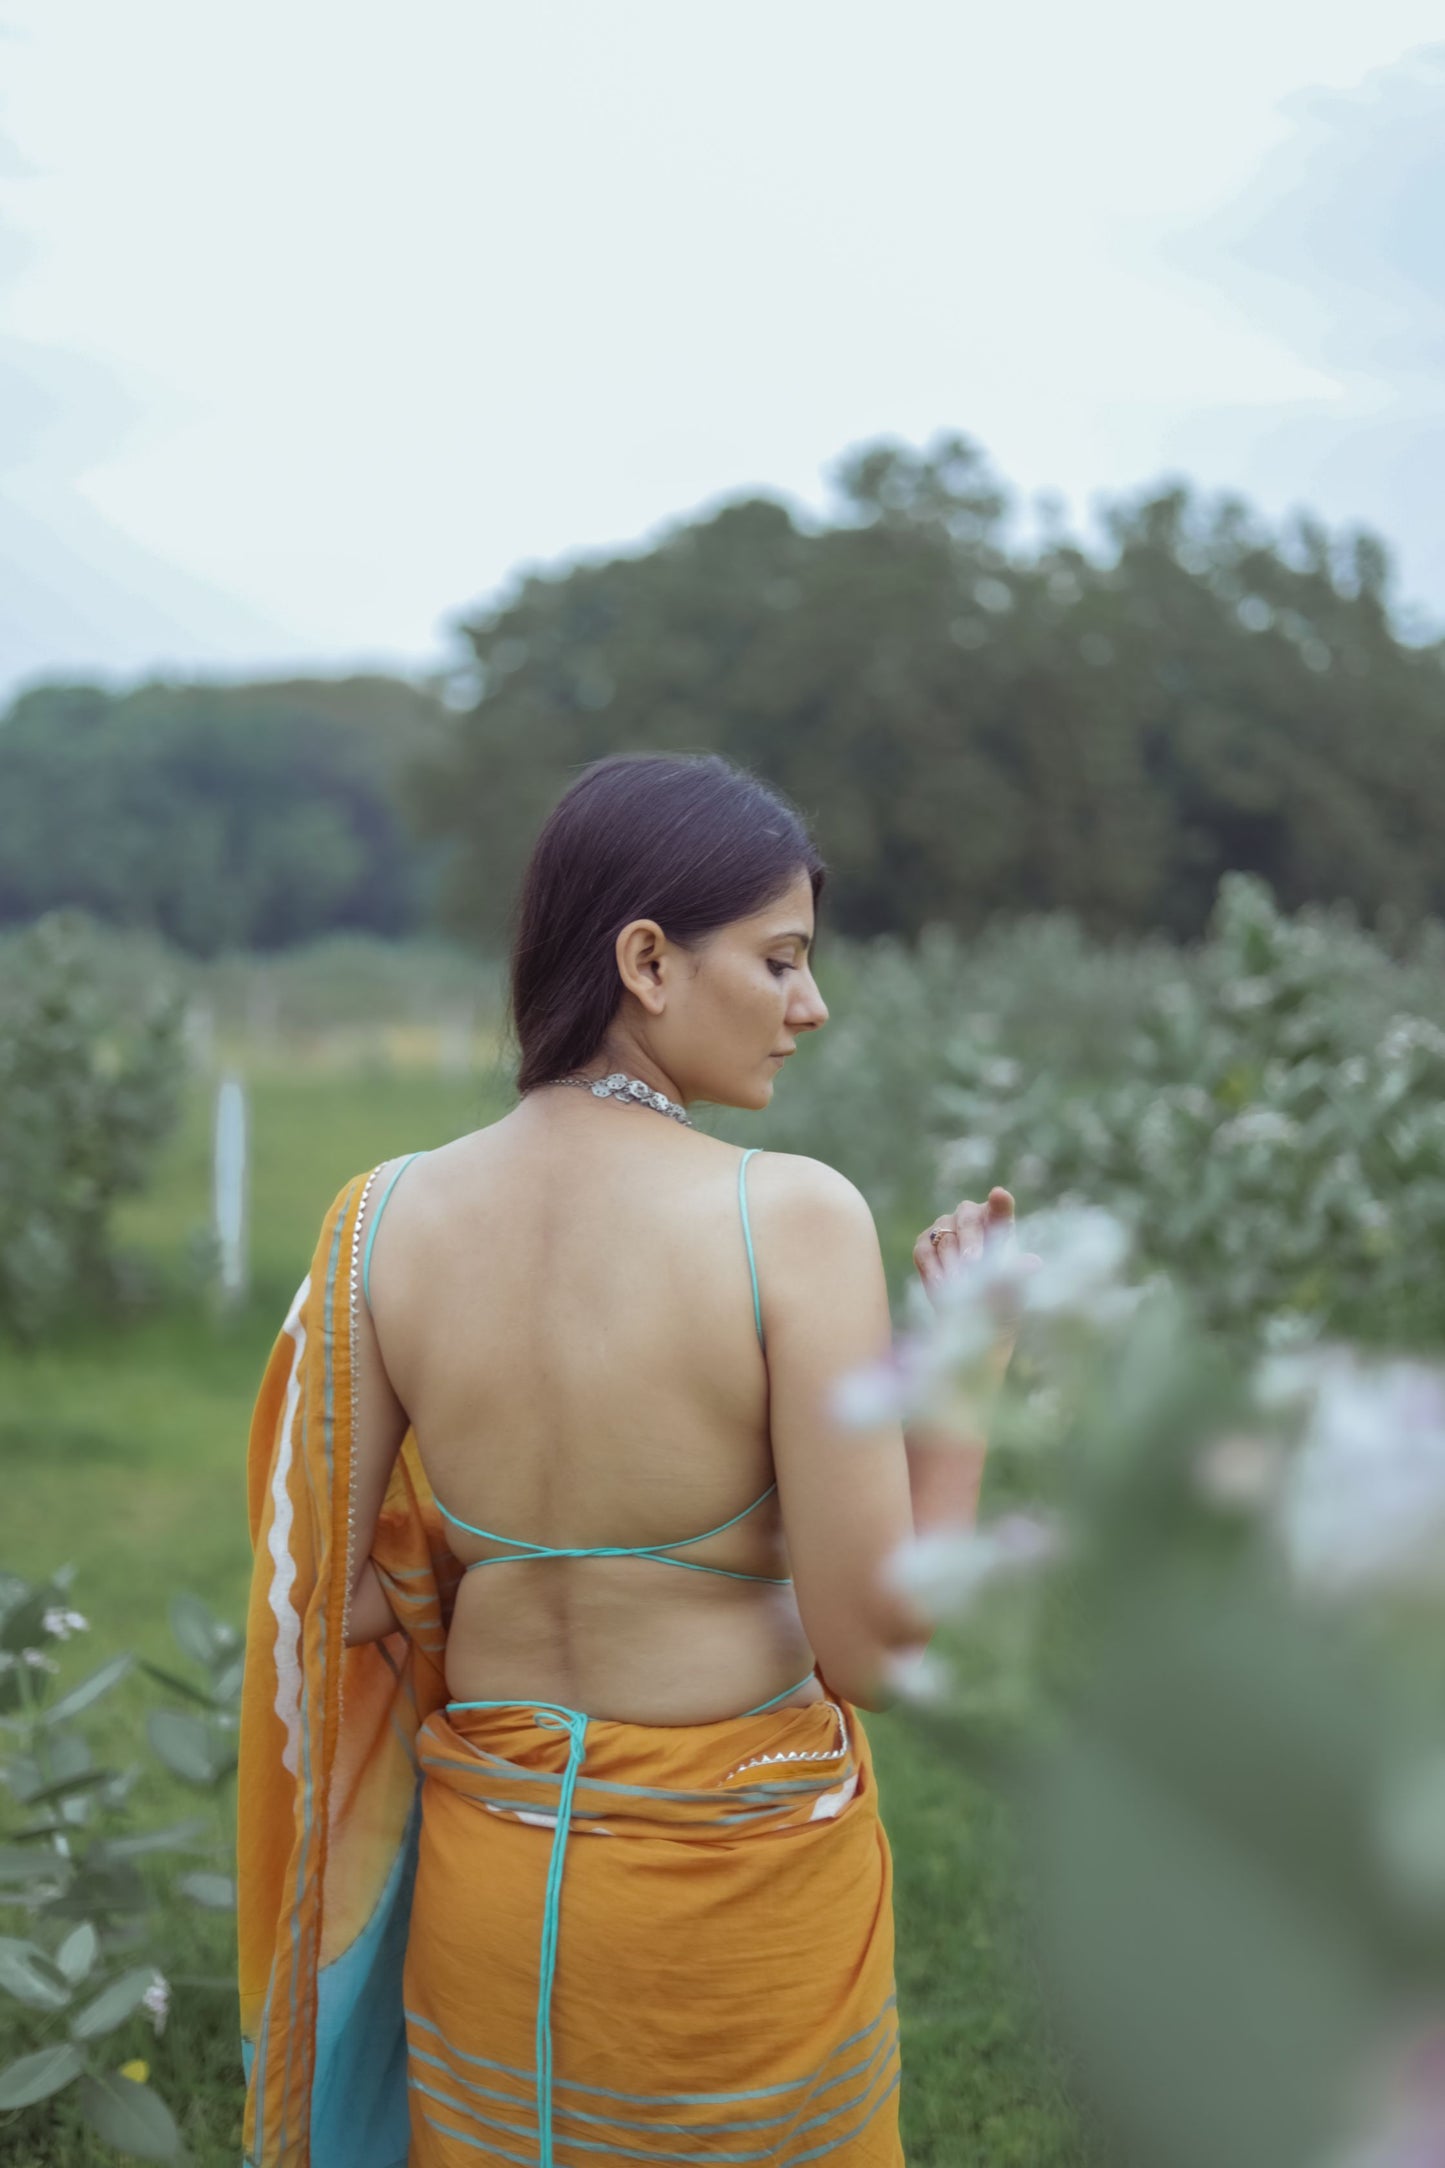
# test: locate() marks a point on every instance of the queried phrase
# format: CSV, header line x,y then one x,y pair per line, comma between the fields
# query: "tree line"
x,y
974,727
218,816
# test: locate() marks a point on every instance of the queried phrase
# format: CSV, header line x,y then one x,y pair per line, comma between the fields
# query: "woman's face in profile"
x,y
751,998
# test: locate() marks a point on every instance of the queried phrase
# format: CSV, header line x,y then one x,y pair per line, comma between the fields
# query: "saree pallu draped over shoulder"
x,y
515,1933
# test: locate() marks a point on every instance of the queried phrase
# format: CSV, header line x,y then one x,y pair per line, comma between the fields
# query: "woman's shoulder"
x,y
805,1206
801,1178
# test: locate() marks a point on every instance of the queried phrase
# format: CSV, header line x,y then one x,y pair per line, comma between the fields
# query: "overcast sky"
x,y
317,320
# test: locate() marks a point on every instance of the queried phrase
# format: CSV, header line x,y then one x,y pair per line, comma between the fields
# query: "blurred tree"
x,y
975,730
246,816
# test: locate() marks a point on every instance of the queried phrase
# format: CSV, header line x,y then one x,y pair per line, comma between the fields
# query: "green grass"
x,y
122,1448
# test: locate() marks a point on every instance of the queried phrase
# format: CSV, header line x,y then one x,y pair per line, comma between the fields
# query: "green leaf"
x,y
185,1744
113,2005
228,1679
90,1689
36,2077
19,1864
85,1781
176,1683
22,1626
156,1840
68,1753
130,2117
30,1976
196,1629
103,1884
217,1892
77,1953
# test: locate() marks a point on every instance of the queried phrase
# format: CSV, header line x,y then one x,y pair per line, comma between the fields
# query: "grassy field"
x,y
124,1449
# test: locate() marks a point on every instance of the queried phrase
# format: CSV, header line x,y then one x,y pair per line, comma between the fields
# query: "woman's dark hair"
x,y
686,838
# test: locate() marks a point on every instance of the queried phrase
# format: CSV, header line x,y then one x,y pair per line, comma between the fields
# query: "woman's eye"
x,y
777,968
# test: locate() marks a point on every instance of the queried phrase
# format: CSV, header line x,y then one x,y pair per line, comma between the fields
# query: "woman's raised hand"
x,y
957,1238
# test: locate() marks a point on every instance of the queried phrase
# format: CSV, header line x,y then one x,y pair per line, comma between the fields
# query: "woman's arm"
x,y
371,1617
945,1468
945,1476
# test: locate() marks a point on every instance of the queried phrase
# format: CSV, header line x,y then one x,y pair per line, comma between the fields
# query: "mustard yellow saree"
x,y
517,1934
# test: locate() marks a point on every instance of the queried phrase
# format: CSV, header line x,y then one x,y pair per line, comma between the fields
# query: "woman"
x,y
559,1841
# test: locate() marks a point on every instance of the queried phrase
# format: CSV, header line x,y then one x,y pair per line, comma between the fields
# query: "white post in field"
x,y
230,1189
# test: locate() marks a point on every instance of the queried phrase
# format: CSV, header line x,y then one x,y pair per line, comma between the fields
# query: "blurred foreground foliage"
x,y
1204,1663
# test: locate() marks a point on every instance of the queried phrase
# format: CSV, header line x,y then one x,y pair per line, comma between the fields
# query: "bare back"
x,y
564,1307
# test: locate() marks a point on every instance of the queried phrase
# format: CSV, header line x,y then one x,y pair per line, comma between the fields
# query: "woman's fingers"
x,y
964,1233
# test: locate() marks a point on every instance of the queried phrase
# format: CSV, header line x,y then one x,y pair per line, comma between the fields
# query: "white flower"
x,y
1287,1330
1242,995
878,1392
917,1675
62,1623
1403,1034
1401,2091
1257,1125
38,1660
1292,1374
1239,1471
1363,1501
946,1569
1082,1249
157,1999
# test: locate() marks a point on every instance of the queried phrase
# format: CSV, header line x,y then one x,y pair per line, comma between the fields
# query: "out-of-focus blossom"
x,y
38,1660
1242,995
1082,1251
919,1676
157,1999
1288,1331
1362,1504
61,1624
1060,1262
1046,1402
1296,1371
1256,1125
1406,2106
880,1392
1239,1472
1406,1035
137,2069
946,1570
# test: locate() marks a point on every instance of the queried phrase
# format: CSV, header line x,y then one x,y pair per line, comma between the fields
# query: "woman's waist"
x,y
668,1660
521,1758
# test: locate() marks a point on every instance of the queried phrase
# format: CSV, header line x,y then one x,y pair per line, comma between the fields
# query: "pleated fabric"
x,y
722,1984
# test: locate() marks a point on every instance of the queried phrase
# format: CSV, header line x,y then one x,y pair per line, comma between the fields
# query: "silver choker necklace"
x,y
621,1086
